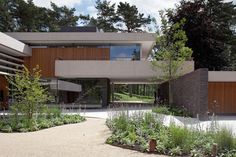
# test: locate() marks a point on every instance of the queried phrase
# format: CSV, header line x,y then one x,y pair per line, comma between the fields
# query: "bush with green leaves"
x,y
171,110
137,130
29,95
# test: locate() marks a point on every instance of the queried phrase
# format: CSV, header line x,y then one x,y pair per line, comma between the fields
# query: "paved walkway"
x,y
84,139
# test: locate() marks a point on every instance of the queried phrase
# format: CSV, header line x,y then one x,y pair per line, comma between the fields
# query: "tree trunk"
x,y
170,94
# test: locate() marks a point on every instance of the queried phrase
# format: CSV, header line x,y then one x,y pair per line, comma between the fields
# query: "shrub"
x,y
53,112
224,138
162,110
6,128
179,137
136,131
121,122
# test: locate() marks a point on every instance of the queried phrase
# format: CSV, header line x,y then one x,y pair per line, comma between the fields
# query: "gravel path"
x,y
85,139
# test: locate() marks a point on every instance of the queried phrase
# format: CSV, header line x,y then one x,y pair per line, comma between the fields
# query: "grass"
x,y
138,98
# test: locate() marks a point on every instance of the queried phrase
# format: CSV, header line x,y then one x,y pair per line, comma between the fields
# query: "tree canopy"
x,y
171,51
22,16
125,18
210,27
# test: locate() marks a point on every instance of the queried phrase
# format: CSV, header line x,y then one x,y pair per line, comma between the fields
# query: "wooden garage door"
x,y
222,97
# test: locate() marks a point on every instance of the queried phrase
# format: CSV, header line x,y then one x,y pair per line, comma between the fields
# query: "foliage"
x,y
210,28
106,16
224,139
130,17
25,16
125,18
135,132
171,52
42,122
162,110
126,97
29,95
175,111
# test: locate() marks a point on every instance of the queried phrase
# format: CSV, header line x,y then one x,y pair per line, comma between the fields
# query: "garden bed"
x,y
10,123
136,131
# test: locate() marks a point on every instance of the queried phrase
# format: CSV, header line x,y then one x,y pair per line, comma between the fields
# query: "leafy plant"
x,y
29,95
162,110
224,138
135,132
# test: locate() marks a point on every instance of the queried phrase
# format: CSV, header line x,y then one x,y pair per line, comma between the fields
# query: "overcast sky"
x,y
87,6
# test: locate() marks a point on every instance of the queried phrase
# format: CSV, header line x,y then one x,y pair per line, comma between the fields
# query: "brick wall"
x,y
189,91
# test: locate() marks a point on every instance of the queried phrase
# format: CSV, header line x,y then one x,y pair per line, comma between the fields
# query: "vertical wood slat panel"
x,y
3,87
45,57
224,93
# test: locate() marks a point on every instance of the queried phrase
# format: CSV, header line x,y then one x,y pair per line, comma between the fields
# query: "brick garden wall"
x,y
189,91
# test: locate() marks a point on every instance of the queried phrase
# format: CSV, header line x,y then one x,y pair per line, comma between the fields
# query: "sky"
x,y
148,7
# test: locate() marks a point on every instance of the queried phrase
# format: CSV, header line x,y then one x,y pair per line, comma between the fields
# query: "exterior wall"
x,y
222,92
222,97
222,76
45,57
117,71
3,87
190,91
146,40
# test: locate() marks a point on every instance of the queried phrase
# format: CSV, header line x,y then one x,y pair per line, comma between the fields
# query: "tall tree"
x,y
171,52
20,15
125,18
130,16
61,17
106,16
209,30
6,17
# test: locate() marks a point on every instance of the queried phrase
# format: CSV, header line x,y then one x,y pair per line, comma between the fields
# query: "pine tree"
x,y
130,16
106,16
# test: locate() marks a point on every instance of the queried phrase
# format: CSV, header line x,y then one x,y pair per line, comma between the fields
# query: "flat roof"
x,y
146,40
11,46
222,76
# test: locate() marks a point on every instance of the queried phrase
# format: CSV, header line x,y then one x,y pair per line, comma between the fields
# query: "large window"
x,y
125,52
89,92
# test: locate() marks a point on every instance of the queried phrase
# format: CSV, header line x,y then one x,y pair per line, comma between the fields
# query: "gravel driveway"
x,y
85,139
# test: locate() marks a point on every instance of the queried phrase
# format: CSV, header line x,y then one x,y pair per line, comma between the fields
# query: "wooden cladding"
x,y
45,57
222,97
4,92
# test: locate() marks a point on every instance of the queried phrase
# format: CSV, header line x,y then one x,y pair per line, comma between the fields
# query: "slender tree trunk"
x,y
170,94
169,83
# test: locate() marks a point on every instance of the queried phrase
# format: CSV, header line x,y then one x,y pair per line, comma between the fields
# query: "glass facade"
x,y
90,92
125,52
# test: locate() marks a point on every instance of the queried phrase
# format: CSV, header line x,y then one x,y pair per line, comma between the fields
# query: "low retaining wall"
x,y
189,91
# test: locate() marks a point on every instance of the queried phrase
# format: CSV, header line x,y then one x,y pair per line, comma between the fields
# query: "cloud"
x,y
46,3
92,11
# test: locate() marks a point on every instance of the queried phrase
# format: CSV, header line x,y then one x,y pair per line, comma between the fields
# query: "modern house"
x,y
79,66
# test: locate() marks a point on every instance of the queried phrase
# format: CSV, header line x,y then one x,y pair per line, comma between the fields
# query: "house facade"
x,y
79,67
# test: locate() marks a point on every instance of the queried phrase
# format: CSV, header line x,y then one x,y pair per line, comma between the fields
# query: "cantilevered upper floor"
x,y
120,57
143,41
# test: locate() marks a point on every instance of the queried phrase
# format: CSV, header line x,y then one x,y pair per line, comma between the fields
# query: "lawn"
x,y
125,97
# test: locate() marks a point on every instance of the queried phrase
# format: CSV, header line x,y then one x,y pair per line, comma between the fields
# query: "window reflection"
x,y
129,52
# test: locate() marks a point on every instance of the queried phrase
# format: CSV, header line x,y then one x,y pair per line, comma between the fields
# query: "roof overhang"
x,y
146,40
222,76
11,46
